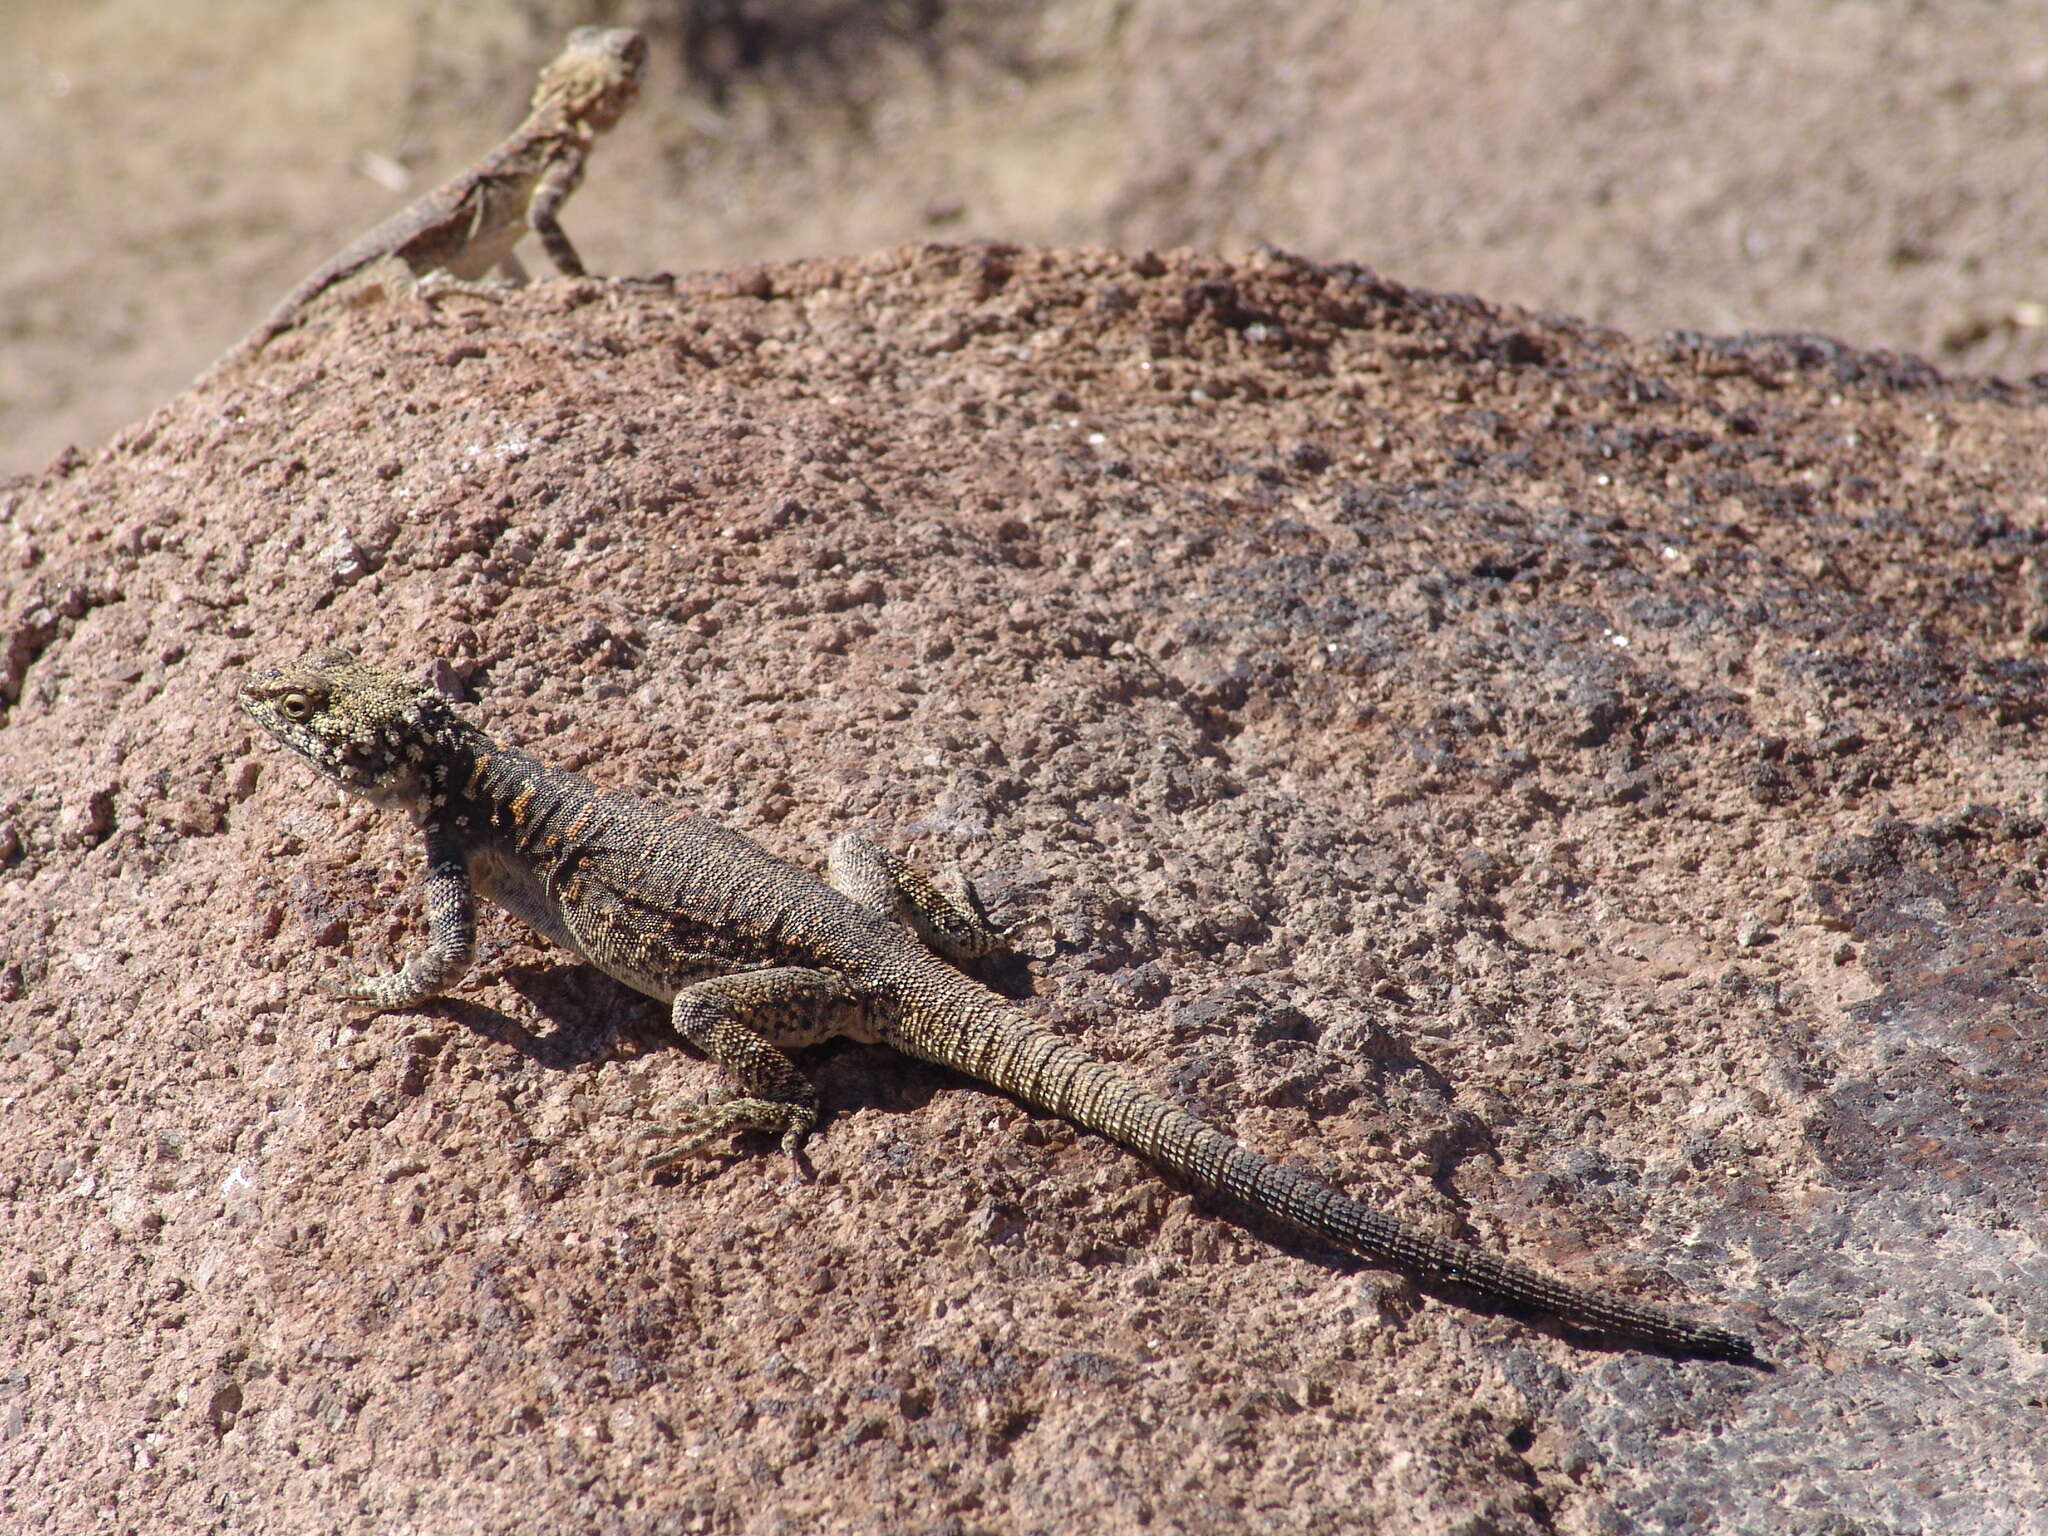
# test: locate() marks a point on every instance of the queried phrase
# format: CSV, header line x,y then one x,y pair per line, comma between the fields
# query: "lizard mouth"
x,y
249,700
346,728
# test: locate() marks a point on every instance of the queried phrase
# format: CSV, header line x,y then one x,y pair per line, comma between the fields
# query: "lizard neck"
x,y
496,795
552,127
577,117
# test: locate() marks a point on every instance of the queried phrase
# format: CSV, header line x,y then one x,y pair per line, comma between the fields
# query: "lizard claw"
x,y
375,991
1009,933
353,985
687,1141
791,1122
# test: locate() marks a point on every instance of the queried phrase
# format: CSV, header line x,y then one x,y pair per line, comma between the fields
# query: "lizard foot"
x,y
439,285
1009,934
790,1122
373,991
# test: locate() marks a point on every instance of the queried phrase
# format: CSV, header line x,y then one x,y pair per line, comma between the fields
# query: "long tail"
x,y
994,1042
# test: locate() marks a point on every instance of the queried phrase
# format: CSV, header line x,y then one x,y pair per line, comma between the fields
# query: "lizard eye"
x,y
295,706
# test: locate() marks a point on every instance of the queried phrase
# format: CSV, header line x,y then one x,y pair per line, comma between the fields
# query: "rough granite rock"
x,y
1582,793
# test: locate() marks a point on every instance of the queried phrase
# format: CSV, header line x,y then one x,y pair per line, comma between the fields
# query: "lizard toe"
x,y
354,985
790,1123
374,991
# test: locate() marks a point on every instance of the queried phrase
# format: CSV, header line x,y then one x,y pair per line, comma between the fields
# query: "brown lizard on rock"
x,y
462,229
758,957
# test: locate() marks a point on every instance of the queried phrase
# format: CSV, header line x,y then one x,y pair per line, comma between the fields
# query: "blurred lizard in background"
x,y
468,225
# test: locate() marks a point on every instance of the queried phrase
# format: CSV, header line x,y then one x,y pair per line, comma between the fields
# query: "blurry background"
x,y
1875,171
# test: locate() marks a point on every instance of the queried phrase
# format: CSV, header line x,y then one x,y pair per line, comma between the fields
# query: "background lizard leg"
x,y
559,180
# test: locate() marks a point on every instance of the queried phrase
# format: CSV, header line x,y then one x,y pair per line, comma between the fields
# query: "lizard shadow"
x,y
596,1019
1310,1249
591,1016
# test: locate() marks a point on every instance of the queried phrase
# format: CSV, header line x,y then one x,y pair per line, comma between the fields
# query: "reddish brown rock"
x,y
1871,171
1582,793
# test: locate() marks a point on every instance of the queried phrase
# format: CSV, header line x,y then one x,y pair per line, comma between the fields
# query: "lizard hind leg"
x,y
745,1022
947,917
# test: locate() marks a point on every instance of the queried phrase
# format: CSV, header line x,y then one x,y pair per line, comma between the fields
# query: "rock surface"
x,y
1581,793
1872,171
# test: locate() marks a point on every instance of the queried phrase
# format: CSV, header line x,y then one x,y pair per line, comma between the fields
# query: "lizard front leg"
x,y
451,936
745,1022
950,922
561,178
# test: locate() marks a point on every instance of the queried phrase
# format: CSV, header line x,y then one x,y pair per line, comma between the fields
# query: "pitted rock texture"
x,y
1871,171
1581,793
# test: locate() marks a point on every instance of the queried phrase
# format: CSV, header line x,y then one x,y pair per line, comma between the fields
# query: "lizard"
x,y
756,957
455,234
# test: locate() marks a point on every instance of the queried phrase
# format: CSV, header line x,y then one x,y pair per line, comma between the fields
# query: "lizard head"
x,y
368,729
596,75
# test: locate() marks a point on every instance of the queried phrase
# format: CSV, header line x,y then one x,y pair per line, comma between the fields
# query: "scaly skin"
x,y
660,900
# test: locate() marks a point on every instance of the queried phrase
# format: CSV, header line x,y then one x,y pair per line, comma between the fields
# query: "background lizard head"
x,y
367,728
596,75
